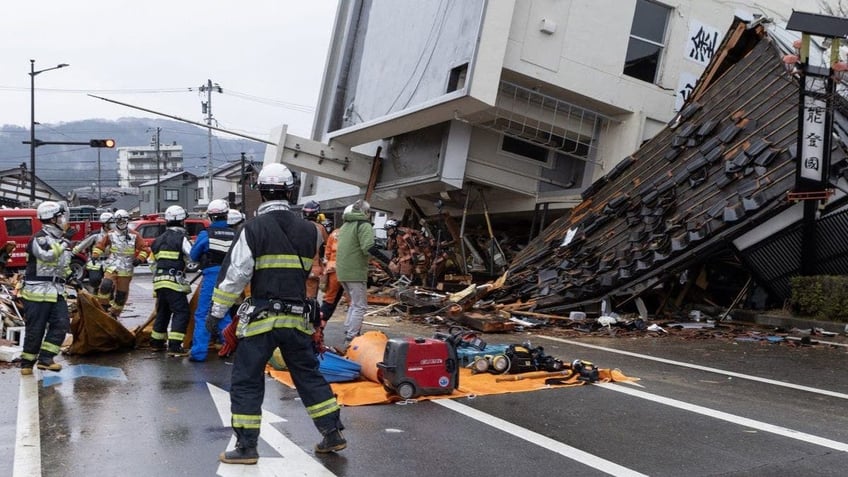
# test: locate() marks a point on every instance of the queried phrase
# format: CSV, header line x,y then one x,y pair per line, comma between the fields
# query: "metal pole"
x,y
32,132
32,143
99,183
243,180
209,136
158,192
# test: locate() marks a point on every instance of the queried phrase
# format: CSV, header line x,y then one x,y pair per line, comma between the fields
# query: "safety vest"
x,y
280,266
170,261
220,239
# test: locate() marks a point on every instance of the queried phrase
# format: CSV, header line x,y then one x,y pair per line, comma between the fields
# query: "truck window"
x,y
19,227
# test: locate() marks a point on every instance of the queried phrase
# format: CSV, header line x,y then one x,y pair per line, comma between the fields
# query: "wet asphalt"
x,y
701,407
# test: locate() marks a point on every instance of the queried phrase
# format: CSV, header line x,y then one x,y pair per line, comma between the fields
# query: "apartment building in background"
x,y
138,164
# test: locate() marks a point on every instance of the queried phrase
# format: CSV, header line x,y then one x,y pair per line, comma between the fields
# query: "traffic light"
x,y
102,143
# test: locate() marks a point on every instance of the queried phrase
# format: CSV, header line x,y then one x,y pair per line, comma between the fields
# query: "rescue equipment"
x,y
413,367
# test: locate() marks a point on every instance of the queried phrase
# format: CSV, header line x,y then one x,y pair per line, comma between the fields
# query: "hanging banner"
x,y
814,124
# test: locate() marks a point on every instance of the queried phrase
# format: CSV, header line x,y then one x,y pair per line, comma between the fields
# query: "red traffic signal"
x,y
102,143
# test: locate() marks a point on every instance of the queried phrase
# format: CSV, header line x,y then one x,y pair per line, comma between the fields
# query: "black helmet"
x,y
311,210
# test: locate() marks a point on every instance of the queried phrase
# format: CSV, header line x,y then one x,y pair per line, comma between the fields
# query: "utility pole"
x,y
158,168
243,180
99,183
207,110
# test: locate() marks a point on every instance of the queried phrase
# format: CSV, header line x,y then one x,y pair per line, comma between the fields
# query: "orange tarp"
x,y
363,392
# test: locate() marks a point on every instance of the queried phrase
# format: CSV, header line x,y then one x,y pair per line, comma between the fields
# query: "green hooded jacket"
x,y
356,237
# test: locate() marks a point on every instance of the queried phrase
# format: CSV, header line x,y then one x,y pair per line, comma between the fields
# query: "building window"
x,y
198,193
172,195
647,40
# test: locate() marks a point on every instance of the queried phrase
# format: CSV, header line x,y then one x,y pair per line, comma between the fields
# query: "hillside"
x,y
68,167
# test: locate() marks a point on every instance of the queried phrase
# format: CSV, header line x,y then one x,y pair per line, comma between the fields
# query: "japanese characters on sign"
x,y
702,42
685,86
813,132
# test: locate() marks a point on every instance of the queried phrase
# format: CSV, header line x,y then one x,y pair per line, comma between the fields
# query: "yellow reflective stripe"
x,y
157,335
96,252
323,408
171,285
270,322
42,297
50,347
222,297
142,255
166,254
277,261
28,356
57,249
175,336
247,421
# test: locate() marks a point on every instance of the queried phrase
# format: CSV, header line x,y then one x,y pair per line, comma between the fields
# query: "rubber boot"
x,y
26,368
48,365
240,455
333,441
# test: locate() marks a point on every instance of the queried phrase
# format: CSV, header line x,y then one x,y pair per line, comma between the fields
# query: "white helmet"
x,y
234,217
390,224
48,210
217,207
276,177
122,218
105,217
175,213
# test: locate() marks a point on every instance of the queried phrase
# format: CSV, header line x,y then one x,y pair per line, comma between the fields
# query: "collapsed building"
x,y
707,211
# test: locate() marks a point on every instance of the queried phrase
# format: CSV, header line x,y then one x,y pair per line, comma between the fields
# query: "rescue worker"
x,y
47,267
170,251
95,266
311,212
209,250
234,220
273,252
403,244
331,287
127,250
355,247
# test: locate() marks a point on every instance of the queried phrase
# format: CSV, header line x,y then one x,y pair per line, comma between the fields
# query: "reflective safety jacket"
x,y
169,260
212,244
87,243
126,245
48,265
273,253
330,252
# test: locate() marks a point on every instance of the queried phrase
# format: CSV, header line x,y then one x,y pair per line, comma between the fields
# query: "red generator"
x,y
413,367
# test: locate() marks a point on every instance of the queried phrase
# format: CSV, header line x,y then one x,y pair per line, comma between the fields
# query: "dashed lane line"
x,y
749,377
28,434
535,438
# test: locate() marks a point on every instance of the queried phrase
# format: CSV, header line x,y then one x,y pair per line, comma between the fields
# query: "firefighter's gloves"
x,y
136,262
212,323
69,234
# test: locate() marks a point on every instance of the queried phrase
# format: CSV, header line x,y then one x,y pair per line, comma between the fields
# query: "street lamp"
x,y
32,142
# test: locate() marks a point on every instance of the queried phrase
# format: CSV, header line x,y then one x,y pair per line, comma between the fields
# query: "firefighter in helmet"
x,y
170,252
273,253
43,293
127,250
209,250
95,267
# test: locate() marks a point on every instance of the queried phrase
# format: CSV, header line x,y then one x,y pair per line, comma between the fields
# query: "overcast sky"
x,y
267,55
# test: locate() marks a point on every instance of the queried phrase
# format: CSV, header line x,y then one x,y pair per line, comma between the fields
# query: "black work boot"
x,y
157,345
240,455
333,441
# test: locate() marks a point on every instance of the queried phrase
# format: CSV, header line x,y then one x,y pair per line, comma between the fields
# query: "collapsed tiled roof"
x,y
723,166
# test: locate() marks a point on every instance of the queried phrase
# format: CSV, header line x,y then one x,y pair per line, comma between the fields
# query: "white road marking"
x,y
573,453
732,418
749,377
28,434
294,461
